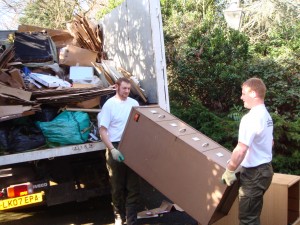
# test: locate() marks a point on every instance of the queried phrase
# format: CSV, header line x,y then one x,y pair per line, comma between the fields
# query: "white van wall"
x,y
133,39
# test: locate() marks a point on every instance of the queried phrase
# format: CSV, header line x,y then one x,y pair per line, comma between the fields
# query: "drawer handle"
x,y
182,130
205,145
161,116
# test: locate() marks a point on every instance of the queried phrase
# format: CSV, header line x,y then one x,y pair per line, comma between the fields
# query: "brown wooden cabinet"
x,y
179,161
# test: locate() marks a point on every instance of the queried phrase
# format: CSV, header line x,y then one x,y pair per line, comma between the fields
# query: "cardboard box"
x,y
88,104
281,203
76,56
78,73
179,161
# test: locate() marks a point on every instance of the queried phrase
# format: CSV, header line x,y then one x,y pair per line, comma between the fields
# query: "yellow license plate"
x,y
20,201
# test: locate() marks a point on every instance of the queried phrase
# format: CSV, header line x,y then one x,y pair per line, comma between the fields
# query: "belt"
x,y
255,167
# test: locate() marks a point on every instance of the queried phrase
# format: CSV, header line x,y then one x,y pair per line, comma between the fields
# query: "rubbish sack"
x,y
25,137
4,138
67,128
48,113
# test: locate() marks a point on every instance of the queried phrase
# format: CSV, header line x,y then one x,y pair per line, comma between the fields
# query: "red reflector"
x,y
19,190
136,117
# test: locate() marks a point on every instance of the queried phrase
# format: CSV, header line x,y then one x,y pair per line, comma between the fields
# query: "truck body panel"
x,y
50,153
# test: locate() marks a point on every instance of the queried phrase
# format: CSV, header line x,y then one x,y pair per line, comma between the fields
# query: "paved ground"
x,y
97,211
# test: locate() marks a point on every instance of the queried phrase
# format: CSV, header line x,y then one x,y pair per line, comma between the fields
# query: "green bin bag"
x,y
67,128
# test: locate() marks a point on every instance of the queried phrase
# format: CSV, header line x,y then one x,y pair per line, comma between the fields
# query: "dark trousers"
x,y
253,184
125,188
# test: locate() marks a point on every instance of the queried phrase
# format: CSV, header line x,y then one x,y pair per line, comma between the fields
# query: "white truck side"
x,y
133,39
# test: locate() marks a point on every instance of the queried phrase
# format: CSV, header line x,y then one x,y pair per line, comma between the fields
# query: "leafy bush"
x,y
207,63
221,130
287,164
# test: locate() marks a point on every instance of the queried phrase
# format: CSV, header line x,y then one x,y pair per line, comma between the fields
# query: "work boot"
x,y
131,216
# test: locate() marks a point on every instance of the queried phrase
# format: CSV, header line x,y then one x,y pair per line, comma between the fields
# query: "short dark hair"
x,y
122,79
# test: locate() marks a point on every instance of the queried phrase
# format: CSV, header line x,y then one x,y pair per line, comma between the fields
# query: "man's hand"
x,y
229,177
117,155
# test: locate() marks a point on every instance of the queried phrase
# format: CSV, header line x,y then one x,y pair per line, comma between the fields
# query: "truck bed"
x,y
50,153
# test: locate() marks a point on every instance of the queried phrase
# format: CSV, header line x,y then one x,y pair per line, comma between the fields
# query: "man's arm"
x,y
116,154
237,156
104,137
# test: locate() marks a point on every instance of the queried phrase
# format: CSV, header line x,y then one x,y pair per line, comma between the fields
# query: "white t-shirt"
x,y
114,115
256,131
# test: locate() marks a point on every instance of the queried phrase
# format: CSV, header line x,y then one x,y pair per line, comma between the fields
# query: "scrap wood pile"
x,y
61,68
86,36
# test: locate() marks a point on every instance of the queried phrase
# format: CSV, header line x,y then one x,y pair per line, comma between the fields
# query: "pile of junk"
x,y
52,85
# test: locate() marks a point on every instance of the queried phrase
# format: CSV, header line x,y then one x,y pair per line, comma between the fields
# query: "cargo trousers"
x,y
253,184
125,189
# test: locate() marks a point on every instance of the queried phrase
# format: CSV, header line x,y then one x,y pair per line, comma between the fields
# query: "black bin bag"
x,y
24,137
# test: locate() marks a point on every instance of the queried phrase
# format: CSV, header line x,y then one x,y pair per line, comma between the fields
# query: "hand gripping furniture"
x,y
179,161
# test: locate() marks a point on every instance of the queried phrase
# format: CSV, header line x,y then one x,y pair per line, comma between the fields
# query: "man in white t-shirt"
x,y
124,181
253,152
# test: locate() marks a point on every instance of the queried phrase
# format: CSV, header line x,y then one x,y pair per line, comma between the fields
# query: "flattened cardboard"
x,y
50,32
19,93
179,161
16,75
61,38
72,55
7,79
13,109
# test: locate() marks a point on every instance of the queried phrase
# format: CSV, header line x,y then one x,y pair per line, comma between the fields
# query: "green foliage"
x,y
287,164
208,62
262,18
110,6
276,61
236,112
171,7
49,14
283,84
286,134
221,130
210,66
